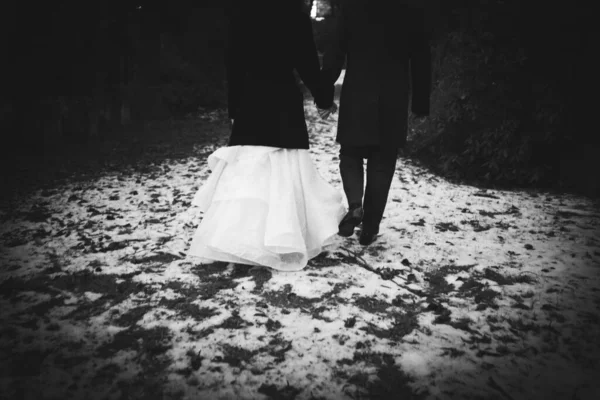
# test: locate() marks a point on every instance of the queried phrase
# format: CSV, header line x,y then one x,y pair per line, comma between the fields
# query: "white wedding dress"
x,y
265,206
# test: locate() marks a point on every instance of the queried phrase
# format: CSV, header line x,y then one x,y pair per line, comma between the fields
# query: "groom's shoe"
x,y
368,236
352,219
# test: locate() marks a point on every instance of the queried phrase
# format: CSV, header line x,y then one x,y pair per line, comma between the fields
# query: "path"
x,y
467,294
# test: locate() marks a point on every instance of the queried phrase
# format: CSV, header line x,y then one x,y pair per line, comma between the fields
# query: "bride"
x,y
264,202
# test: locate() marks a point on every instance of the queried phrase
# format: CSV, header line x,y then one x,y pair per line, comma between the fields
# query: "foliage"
x,y
478,110
501,98
185,86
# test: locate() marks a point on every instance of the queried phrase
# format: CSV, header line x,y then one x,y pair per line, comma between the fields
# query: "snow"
x,y
490,293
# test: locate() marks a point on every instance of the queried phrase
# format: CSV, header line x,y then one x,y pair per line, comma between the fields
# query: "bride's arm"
x,y
307,60
420,63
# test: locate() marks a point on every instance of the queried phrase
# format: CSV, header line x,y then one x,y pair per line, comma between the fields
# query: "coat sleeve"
x,y
307,60
334,58
234,70
420,67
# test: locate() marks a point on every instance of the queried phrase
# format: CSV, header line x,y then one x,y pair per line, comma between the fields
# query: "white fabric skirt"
x,y
265,206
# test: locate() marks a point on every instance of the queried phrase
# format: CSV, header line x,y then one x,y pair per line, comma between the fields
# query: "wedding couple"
x,y
264,202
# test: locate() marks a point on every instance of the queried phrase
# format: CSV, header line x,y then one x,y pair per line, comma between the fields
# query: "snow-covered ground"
x,y
467,294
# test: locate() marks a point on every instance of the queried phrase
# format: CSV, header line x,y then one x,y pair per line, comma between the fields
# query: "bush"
x,y
501,101
480,111
185,86
192,63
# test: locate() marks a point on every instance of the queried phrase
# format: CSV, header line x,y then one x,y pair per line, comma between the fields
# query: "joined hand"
x,y
324,113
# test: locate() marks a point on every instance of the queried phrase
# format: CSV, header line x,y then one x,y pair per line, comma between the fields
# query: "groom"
x,y
383,44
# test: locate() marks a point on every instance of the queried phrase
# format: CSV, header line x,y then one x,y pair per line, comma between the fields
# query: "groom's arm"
x,y
335,56
420,64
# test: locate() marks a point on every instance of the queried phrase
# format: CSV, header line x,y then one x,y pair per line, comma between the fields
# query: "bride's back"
x,y
264,34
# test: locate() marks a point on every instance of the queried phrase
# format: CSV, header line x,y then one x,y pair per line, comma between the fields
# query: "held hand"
x,y
326,112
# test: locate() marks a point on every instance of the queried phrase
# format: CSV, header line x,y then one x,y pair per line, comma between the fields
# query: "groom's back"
x,y
381,31
377,38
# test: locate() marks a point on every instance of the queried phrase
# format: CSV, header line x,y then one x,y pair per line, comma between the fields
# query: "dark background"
x,y
512,103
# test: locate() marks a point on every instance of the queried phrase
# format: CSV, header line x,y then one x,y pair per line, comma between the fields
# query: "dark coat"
x,y
383,47
265,101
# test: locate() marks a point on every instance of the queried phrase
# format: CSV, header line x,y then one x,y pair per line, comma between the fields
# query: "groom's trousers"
x,y
381,164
